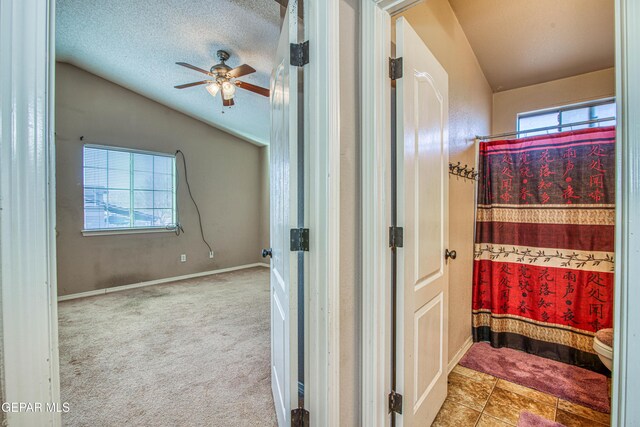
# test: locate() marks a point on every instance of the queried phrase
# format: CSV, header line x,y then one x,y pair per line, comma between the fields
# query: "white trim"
x,y
116,231
460,354
322,84
157,282
626,346
375,134
375,92
127,150
27,210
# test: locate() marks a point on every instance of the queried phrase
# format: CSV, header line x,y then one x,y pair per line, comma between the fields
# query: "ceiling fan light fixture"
x,y
213,88
228,90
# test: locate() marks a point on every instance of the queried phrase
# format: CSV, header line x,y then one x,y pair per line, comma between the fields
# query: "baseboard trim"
x,y
460,353
158,281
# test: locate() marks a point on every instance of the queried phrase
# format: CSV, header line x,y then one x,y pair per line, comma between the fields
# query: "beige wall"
x,y
265,212
470,99
225,175
580,88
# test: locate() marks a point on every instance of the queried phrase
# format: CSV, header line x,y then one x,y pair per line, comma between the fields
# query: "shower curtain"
x,y
543,255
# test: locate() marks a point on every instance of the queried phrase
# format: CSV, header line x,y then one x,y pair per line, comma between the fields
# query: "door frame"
x,y
29,367
375,42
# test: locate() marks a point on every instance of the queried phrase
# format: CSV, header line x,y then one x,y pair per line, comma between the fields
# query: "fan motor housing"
x,y
221,69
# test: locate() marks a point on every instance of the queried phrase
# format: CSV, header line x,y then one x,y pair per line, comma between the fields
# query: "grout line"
x,y
485,403
490,394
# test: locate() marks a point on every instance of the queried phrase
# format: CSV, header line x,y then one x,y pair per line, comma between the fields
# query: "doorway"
x,y
22,383
376,178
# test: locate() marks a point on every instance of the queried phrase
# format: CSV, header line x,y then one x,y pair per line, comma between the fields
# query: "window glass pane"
x,y
143,162
119,178
605,111
143,218
95,177
118,208
120,199
537,121
162,182
142,180
95,213
163,164
119,160
163,199
143,199
575,116
94,197
117,219
162,217
95,158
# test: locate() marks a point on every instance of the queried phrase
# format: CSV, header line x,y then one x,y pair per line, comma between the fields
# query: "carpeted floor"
x,y
565,381
189,353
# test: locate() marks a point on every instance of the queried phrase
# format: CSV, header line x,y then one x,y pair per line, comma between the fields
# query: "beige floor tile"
x,y
453,414
527,392
583,412
506,406
488,421
468,392
572,420
475,375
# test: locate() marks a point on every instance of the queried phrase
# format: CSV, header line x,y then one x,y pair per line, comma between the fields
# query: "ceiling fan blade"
x,y
253,88
227,102
193,67
242,70
186,85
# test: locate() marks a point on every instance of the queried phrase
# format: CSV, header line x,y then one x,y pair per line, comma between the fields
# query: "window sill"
x,y
113,232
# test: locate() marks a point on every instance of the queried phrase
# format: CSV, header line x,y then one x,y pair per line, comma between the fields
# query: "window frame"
x,y
131,230
559,110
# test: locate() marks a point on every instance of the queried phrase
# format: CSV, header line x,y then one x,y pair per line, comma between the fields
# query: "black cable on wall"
x,y
178,228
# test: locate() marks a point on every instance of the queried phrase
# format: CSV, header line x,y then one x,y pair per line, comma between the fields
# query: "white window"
x,y
564,118
128,189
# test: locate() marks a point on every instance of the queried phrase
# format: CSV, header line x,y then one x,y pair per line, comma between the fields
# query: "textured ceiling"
x,y
524,42
135,43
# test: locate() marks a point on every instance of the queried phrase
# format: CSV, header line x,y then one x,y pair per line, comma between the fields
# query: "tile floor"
x,y
477,399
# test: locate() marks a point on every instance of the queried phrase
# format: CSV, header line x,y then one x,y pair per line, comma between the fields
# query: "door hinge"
x,y
395,402
395,237
395,68
299,53
299,239
299,417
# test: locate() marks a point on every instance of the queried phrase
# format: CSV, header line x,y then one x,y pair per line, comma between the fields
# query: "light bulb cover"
x,y
213,88
228,89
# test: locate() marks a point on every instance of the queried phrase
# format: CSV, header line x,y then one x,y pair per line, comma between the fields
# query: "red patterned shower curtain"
x,y
543,265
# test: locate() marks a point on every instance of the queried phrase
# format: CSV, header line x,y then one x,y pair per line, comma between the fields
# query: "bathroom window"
x,y
562,118
128,189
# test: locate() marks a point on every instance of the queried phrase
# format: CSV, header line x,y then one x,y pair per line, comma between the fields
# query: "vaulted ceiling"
x,y
524,42
136,44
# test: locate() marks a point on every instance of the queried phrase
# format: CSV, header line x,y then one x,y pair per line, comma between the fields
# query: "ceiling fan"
x,y
223,79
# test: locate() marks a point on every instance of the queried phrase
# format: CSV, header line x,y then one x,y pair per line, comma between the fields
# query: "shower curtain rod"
x,y
586,122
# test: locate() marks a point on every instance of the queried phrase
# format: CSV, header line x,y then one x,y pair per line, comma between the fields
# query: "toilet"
x,y
603,346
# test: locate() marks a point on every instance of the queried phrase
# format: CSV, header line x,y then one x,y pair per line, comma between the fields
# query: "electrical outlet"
x,y
183,258
211,254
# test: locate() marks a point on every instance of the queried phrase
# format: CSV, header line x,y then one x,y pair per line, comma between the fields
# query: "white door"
x,y
422,191
283,192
